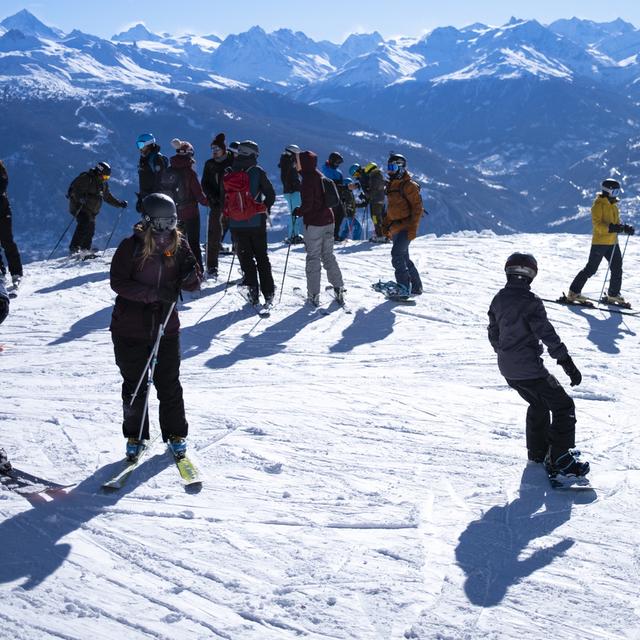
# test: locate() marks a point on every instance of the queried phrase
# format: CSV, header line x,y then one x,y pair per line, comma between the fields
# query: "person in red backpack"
x,y
188,194
248,197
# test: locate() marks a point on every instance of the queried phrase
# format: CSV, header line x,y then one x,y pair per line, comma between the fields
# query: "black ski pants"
x,y
598,251
251,247
216,228
85,228
7,242
338,215
191,229
551,416
131,358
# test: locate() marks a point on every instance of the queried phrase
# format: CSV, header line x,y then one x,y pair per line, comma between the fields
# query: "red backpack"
x,y
239,204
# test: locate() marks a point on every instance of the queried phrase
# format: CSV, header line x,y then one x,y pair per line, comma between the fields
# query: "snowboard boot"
x,y
134,448
212,274
339,294
178,446
536,456
567,465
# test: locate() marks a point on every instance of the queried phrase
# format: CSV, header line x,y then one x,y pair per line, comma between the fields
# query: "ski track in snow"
x,y
365,474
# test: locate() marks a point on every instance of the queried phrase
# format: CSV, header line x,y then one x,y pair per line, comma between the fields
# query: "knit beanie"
x,y
219,142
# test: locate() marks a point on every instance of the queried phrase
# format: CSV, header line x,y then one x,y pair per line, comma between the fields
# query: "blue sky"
x,y
320,20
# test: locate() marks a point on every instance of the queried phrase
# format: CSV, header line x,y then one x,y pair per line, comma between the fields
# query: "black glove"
x,y
167,295
187,267
628,229
296,212
616,228
4,309
571,370
123,204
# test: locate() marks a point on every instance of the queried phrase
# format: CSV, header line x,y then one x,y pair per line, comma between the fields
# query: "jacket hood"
x,y
179,162
308,162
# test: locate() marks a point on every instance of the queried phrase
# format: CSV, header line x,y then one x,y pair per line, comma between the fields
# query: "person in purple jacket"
x,y
318,230
148,271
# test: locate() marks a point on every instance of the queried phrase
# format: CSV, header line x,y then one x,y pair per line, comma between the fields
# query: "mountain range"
x,y
507,128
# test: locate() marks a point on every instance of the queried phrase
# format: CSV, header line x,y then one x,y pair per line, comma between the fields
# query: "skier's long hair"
x,y
149,244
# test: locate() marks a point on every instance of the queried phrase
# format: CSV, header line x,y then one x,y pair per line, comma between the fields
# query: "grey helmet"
x,y
521,264
159,211
248,148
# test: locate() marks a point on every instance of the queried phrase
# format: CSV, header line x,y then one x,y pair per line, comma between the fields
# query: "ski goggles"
x,y
141,144
163,224
614,192
393,167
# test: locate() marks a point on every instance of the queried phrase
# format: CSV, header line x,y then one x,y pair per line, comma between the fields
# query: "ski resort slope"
x,y
365,475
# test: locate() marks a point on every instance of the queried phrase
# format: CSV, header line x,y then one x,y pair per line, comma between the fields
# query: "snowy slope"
x,y
365,473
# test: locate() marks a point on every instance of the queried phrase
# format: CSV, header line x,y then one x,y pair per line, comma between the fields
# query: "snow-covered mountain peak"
x,y
135,33
16,40
26,22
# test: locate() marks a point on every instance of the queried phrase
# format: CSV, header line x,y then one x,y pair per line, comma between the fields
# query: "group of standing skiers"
x,y
163,257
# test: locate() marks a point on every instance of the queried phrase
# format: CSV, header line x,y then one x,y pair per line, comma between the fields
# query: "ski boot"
x,y
314,299
572,296
5,465
134,448
338,292
178,446
616,300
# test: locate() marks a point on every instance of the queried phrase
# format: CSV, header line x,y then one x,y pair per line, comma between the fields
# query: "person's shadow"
x,y
77,281
605,332
29,540
367,327
489,549
271,341
94,322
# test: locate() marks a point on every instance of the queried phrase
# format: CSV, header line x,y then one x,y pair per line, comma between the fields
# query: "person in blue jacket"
x,y
330,170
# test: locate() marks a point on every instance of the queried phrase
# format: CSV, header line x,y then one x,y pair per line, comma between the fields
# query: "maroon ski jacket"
x,y
189,192
313,210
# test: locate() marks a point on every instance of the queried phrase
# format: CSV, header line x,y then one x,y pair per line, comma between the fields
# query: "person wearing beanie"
x,y
188,194
213,187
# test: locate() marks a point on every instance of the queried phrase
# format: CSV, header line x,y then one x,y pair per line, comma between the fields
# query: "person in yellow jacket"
x,y
404,211
605,218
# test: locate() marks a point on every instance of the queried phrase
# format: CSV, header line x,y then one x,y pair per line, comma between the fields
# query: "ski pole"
x,y
64,233
284,273
150,369
224,293
604,283
115,226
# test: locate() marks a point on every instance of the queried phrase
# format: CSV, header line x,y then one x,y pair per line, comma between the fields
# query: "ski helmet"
x,y
233,147
103,169
248,148
354,170
396,164
335,159
521,264
611,187
292,149
144,140
159,211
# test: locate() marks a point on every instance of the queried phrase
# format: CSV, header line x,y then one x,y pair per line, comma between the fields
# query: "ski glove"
x,y
123,204
616,228
628,229
187,267
571,370
296,212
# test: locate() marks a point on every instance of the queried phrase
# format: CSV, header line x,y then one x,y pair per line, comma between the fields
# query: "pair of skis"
x,y
186,468
594,303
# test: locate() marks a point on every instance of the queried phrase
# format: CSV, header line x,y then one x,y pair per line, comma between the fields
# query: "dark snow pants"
x,y
405,271
216,228
85,228
598,251
191,229
7,242
546,396
131,358
251,247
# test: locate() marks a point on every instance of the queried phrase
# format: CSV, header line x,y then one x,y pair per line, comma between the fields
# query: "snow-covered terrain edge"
x,y
365,474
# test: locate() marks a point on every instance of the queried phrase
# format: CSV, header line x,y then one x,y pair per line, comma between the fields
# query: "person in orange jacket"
x,y
404,211
605,218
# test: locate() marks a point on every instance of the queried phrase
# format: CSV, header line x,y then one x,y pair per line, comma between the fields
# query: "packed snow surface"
x,y
365,475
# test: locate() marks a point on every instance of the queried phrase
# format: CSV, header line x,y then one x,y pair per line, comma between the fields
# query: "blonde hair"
x,y
149,245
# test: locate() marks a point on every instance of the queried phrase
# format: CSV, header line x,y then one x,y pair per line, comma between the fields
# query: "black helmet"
x,y
611,187
396,164
248,148
335,159
159,211
521,264
103,169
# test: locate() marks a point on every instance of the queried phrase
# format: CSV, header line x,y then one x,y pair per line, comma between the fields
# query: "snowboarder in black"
x,y
6,232
213,188
517,324
86,194
151,167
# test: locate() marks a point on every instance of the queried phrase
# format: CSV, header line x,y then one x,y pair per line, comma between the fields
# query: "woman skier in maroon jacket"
x,y
147,272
